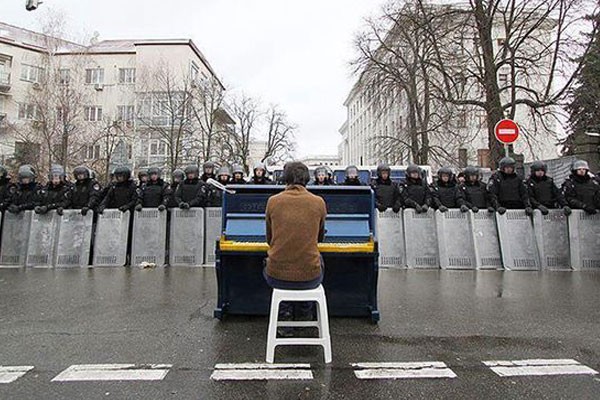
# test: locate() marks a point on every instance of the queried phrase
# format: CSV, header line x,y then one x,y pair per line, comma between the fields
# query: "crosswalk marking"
x,y
403,370
259,371
113,372
538,367
11,374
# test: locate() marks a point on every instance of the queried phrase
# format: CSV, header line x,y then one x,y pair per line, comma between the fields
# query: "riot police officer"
x,y
224,178
238,175
85,194
177,176
26,193
543,193
507,189
208,171
142,176
351,176
444,191
155,193
260,175
580,190
122,193
414,191
192,192
54,196
387,194
6,188
472,194
321,178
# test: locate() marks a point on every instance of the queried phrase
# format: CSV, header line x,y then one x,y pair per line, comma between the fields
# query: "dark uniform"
x,y
208,171
176,178
26,193
85,194
55,195
260,179
155,193
543,193
351,177
472,194
238,175
387,193
321,178
580,190
507,189
122,193
6,189
444,193
192,192
414,191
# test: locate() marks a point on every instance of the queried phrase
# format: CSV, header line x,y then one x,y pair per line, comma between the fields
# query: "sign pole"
x,y
506,152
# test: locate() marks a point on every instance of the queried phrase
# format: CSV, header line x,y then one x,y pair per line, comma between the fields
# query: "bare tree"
x,y
246,114
280,135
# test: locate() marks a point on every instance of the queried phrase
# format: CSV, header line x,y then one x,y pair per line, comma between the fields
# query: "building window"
x,y
503,79
194,70
28,111
92,113
64,76
91,152
60,114
157,148
31,73
126,114
161,109
94,76
27,152
461,119
126,75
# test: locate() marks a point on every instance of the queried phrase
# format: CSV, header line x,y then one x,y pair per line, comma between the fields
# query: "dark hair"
x,y
295,173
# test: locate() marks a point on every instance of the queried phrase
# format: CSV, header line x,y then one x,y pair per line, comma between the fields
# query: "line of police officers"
x,y
505,190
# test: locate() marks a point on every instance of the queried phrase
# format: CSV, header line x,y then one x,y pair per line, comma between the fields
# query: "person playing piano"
x,y
295,224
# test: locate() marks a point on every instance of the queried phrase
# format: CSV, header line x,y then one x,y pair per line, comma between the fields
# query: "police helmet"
x,y
142,173
578,164
26,171
237,169
471,171
56,170
224,171
538,166
191,169
154,171
507,162
207,165
320,170
123,171
445,171
383,167
351,169
178,173
260,165
412,168
81,170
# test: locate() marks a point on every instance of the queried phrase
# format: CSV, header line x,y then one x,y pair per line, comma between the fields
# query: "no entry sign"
x,y
507,131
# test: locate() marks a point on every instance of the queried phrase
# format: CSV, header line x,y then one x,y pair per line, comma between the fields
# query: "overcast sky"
x,y
292,53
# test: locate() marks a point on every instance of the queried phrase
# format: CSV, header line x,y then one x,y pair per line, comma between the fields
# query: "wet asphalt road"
x,y
52,319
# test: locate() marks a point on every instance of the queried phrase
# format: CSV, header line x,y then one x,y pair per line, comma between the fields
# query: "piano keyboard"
x,y
257,247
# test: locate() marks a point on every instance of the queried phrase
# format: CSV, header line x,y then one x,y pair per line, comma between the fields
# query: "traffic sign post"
x,y
507,132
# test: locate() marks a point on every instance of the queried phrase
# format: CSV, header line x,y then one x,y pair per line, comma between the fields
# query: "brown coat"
x,y
295,224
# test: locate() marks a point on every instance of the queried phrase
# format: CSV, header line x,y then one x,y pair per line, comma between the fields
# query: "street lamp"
x,y
31,5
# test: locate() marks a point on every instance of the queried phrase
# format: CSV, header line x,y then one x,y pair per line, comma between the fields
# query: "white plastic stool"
x,y
322,323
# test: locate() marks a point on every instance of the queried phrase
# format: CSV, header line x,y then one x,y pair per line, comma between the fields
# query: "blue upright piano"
x,y
349,251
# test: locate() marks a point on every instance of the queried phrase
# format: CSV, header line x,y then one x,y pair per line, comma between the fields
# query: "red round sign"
x,y
507,131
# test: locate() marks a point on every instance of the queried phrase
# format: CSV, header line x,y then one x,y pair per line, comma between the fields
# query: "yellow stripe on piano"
x,y
231,245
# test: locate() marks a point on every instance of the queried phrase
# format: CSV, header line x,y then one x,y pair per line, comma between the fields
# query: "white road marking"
x,y
11,374
538,367
403,370
261,372
113,372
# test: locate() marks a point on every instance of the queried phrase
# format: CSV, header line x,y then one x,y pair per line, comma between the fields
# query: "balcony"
x,y
4,82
